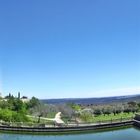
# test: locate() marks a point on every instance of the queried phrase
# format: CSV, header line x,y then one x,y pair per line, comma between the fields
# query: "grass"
x,y
96,119
117,117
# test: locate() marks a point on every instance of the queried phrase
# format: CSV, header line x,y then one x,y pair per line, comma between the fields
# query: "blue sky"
x,y
70,48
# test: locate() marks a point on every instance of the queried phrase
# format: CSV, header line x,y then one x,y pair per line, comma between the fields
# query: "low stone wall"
x,y
137,117
65,129
136,123
137,120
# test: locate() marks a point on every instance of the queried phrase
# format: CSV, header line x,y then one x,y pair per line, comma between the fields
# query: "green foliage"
x,y
33,103
123,116
97,111
19,117
138,104
12,109
107,110
86,117
6,115
75,107
12,116
4,104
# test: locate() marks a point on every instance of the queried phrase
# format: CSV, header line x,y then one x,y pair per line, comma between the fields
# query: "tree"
x,y
86,117
107,110
33,102
19,106
132,103
19,117
97,111
6,115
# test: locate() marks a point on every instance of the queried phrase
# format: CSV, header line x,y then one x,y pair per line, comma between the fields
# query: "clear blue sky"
x,y
70,48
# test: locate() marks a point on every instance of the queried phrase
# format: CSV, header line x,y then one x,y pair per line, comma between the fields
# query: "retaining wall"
x,y
65,129
136,121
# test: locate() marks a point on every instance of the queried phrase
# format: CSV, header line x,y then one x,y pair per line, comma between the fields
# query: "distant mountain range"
x,y
94,101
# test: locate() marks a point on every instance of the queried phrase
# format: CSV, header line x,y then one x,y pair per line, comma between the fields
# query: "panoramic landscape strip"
x,y
21,114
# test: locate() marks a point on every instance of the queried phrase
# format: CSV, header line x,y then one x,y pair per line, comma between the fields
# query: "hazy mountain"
x,y
103,100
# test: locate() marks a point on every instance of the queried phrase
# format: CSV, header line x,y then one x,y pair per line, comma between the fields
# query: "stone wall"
x,y
65,129
137,117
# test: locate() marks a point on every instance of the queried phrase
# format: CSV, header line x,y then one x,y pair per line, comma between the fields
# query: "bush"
x,y
6,115
18,117
86,117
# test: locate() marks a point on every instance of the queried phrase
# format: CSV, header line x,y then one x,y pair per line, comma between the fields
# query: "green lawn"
x,y
117,117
